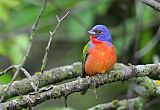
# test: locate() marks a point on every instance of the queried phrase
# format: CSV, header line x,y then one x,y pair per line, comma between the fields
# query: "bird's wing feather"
x,y
84,58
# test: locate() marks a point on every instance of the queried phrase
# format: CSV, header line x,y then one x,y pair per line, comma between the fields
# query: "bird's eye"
x,y
99,32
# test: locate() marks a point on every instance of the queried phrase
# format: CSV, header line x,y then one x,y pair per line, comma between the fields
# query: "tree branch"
x,y
49,77
83,83
9,69
27,51
152,3
117,104
146,85
22,69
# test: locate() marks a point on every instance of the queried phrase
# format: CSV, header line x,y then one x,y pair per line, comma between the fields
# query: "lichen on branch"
x,y
80,84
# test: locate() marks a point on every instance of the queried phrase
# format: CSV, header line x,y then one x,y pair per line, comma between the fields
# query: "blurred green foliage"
x,y
5,79
5,7
14,48
126,20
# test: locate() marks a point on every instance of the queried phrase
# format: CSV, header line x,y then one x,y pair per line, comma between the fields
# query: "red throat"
x,y
94,39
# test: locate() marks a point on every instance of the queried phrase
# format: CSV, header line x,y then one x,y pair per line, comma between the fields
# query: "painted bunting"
x,y
99,54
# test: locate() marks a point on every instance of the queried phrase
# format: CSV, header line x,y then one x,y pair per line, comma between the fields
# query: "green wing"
x,y
84,58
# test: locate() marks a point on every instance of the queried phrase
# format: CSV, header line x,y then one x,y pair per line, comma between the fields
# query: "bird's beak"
x,y
91,32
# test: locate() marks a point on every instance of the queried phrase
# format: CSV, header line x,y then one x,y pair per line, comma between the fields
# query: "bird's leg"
x,y
65,101
30,108
95,86
66,95
95,93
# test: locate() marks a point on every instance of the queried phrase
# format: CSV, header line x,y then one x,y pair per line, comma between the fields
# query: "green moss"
x,y
115,102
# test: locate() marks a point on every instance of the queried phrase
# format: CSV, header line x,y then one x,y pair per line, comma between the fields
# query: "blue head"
x,y
101,33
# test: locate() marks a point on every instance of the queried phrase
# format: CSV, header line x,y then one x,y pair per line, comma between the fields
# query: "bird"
x,y
99,54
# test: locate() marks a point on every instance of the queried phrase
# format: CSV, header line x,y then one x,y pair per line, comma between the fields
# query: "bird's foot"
x,y
95,85
95,93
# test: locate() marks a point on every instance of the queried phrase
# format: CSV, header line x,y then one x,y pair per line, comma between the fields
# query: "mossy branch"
x,y
121,73
149,90
118,104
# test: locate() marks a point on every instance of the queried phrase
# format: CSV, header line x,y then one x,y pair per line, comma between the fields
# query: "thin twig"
x,y
152,3
29,77
9,69
28,48
44,61
22,69
45,58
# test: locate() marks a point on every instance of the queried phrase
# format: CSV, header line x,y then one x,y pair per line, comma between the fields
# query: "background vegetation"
x,y
132,25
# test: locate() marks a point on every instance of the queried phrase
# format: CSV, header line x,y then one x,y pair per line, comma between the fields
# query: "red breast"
x,y
101,58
